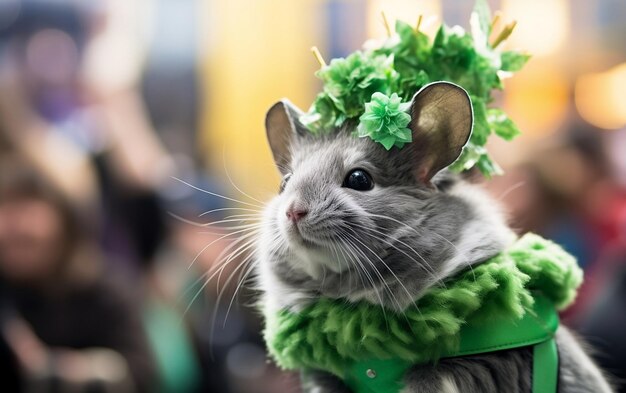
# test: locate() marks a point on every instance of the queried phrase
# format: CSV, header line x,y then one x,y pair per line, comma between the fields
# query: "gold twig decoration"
x,y
386,22
504,34
318,56
419,23
496,18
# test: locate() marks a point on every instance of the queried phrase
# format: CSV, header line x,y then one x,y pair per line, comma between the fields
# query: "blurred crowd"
x,y
572,191
104,272
98,292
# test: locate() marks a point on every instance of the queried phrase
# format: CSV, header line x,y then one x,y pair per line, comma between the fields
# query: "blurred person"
x,y
601,318
68,72
599,313
63,326
586,204
57,82
71,68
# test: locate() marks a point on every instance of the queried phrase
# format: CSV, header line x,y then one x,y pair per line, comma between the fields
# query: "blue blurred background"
x,y
122,123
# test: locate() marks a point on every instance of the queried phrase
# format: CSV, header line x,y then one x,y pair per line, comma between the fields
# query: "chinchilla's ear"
x,y
282,126
441,122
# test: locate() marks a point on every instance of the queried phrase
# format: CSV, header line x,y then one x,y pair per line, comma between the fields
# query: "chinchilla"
x,y
355,221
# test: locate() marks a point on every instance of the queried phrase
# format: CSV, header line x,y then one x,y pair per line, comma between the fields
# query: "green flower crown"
x,y
372,88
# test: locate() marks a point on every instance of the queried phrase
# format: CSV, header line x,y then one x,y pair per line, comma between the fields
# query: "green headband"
x,y
371,89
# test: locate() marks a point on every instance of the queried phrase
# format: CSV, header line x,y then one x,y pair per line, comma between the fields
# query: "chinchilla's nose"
x,y
295,213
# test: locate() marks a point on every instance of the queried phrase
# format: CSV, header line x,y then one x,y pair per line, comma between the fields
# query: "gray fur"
x,y
387,245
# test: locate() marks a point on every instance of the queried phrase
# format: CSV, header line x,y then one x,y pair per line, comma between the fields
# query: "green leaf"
x,y
322,116
501,124
483,12
487,167
405,31
440,37
513,61
387,141
481,130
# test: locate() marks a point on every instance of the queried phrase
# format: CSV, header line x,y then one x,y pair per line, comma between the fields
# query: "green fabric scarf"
x,y
336,336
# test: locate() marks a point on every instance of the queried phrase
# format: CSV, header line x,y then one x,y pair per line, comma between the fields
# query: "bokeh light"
x,y
543,26
601,97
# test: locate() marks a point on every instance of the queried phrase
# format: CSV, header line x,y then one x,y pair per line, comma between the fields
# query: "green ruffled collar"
x,y
331,334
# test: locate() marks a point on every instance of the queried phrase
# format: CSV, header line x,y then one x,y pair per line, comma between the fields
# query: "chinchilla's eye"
x,y
358,179
283,182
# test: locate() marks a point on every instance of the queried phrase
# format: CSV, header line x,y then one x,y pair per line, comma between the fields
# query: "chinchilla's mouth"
x,y
301,238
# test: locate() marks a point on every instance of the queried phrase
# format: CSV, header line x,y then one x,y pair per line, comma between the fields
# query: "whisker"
x,y
237,252
413,229
359,265
219,264
388,289
206,224
233,183
511,189
378,273
410,296
213,242
207,281
216,195
225,209
427,267
218,301
239,286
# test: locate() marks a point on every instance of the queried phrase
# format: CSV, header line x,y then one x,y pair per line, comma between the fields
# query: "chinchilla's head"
x,y
354,220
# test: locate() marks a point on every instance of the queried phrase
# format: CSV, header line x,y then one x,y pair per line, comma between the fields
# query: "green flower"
x,y
385,121
348,84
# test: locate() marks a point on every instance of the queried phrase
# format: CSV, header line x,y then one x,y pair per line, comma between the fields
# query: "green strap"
x,y
537,328
538,325
545,367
